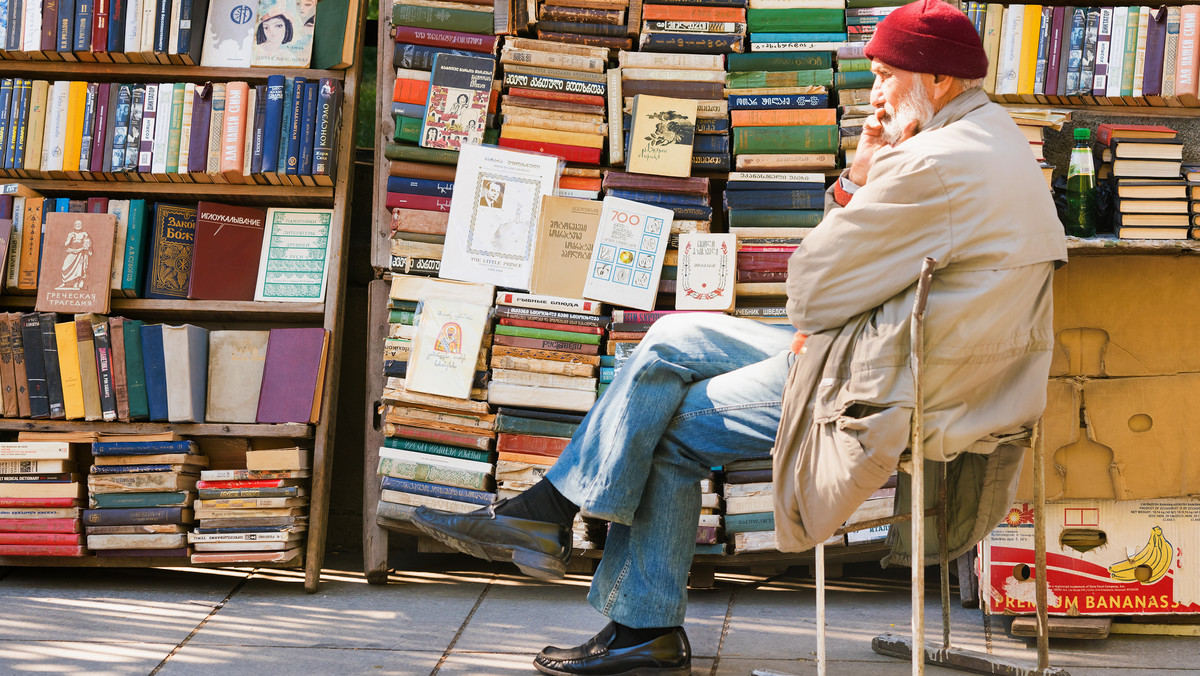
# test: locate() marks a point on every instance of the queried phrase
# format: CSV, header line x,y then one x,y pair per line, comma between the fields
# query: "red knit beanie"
x,y
929,36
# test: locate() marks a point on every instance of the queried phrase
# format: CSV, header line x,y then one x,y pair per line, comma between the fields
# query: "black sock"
x,y
630,636
542,502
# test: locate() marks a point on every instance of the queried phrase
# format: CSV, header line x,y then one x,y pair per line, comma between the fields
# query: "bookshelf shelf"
x,y
275,195
1110,245
106,72
133,562
1129,111
292,430
211,310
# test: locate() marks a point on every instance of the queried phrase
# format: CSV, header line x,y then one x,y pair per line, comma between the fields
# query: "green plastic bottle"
x,y
1081,188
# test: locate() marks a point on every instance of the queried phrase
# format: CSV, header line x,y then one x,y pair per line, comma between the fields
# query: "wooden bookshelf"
x,y
327,314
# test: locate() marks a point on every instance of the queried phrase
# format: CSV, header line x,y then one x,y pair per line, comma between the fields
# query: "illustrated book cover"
x,y
494,215
170,262
707,270
229,34
661,135
446,347
627,258
456,110
76,263
283,35
294,262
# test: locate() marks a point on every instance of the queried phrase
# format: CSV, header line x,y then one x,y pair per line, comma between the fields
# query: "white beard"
x,y
914,106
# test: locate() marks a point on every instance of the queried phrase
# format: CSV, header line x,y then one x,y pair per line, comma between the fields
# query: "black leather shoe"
x,y
538,548
667,654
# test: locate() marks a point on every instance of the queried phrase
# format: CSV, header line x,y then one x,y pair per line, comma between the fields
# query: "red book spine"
x,y
444,437
508,321
41,538
526,443
568,97
241,483
43,550
484,44
578,183
39,525
568,153
40,502
401,200
100,21
410,91
693,13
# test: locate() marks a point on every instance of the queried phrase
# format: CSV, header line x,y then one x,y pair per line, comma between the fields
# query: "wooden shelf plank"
x,y
136,562
273,195
1118,111
80,70
1109,244
239,311
292,430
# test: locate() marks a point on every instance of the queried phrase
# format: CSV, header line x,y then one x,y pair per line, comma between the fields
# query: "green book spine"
x,y
769,78
156,499
855,79
812,138
1130,55
400,317
856,4
780,61
462,20
853,65
135,371
406,305
542,428
802,20
436,474
176,128
548,334
407,129
396,151
327,42
748,523
134,277
766,218
438,449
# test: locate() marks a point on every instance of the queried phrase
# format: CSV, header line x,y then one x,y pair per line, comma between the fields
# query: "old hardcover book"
x,y
566,230
235,374
135,372
291,368
35,365
509,394
170,261
290,458
54,388
76,263
116,336
69,371
154,370
85,346
294,263
456,109
661,136
104,369
229,34
8,374
185,358
226,253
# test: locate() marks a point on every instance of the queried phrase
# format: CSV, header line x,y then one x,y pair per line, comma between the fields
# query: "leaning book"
x,y
456,108
283,34
494,215
706,272
661,137
627,258
446,347
294,264
76,263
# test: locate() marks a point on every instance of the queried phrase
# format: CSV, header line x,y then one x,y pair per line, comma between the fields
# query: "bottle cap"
x,y
1083,133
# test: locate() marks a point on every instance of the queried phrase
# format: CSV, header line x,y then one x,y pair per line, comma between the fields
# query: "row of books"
x,y
225,33
283,132
94,367
75,254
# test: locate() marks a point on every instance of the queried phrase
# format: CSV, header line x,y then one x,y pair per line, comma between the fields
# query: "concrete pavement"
x,y
453,616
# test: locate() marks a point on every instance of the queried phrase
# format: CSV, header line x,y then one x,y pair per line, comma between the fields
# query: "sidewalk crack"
x,y
216,607
467,620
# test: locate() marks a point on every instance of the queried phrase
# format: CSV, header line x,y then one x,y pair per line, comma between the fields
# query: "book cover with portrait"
x,y
661,136
283,33
76,263
460,88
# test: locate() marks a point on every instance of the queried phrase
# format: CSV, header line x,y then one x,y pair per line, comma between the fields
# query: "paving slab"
x,y
71,658
234,660
522,615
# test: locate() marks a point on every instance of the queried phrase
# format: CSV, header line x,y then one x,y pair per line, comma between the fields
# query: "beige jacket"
x,y
965,192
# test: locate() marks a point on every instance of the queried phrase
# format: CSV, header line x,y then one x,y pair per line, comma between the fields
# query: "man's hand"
x,y
872,141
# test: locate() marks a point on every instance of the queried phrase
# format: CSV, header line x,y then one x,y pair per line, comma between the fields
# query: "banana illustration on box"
x,y
1155,556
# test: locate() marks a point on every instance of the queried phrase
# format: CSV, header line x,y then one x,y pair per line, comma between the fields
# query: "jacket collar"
x,y
958,108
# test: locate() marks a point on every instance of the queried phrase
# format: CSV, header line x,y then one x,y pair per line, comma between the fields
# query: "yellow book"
x,y
68,366
1030,32
570,138
37,121
76,100
991,43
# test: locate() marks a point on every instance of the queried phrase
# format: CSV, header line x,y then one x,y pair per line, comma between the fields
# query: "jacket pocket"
x,y
872,440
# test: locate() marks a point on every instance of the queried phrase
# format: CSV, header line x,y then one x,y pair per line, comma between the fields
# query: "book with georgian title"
x,y
456,108
446,347
76,263
706,272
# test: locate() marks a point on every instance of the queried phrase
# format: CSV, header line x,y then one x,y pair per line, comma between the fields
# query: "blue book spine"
x,y
392,483
777,102
117,10
607,373
156,378
660,198
690,213
66,25
710,143
184,37
408,109
133,516
286,127
774,199
61,205
273,123
9,147
6,92
82,40
296,113
712,126
162,25
3,18
129,469
259,127
420,186
22,128
143,447
308,129
121,126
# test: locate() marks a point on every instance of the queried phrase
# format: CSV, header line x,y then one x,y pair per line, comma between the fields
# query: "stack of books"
x,y
693,27
710,532
441,476
853,103
223,132
588,533
234,535
862,16
1191,174
232,517
529,440
40,498
1033,123
795,25
774,204
749,505
594,23
778,105
1141,161
140,495
554,99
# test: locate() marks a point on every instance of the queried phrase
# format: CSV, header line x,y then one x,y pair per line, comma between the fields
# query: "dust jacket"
x,y
456,108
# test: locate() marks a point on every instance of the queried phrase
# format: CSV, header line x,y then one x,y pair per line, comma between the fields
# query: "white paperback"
x,y
707,268
627,258
446,347
494,215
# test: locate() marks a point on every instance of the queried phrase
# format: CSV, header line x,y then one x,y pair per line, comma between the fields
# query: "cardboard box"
x,y
1126,315
1119,438
1137,570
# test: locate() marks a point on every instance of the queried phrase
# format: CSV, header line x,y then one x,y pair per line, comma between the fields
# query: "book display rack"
x,y
320,194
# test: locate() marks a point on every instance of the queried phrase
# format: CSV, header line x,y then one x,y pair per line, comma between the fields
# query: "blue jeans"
x,y
701,390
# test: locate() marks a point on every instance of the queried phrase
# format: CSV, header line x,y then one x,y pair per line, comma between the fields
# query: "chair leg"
x,y
820,561
1039,546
